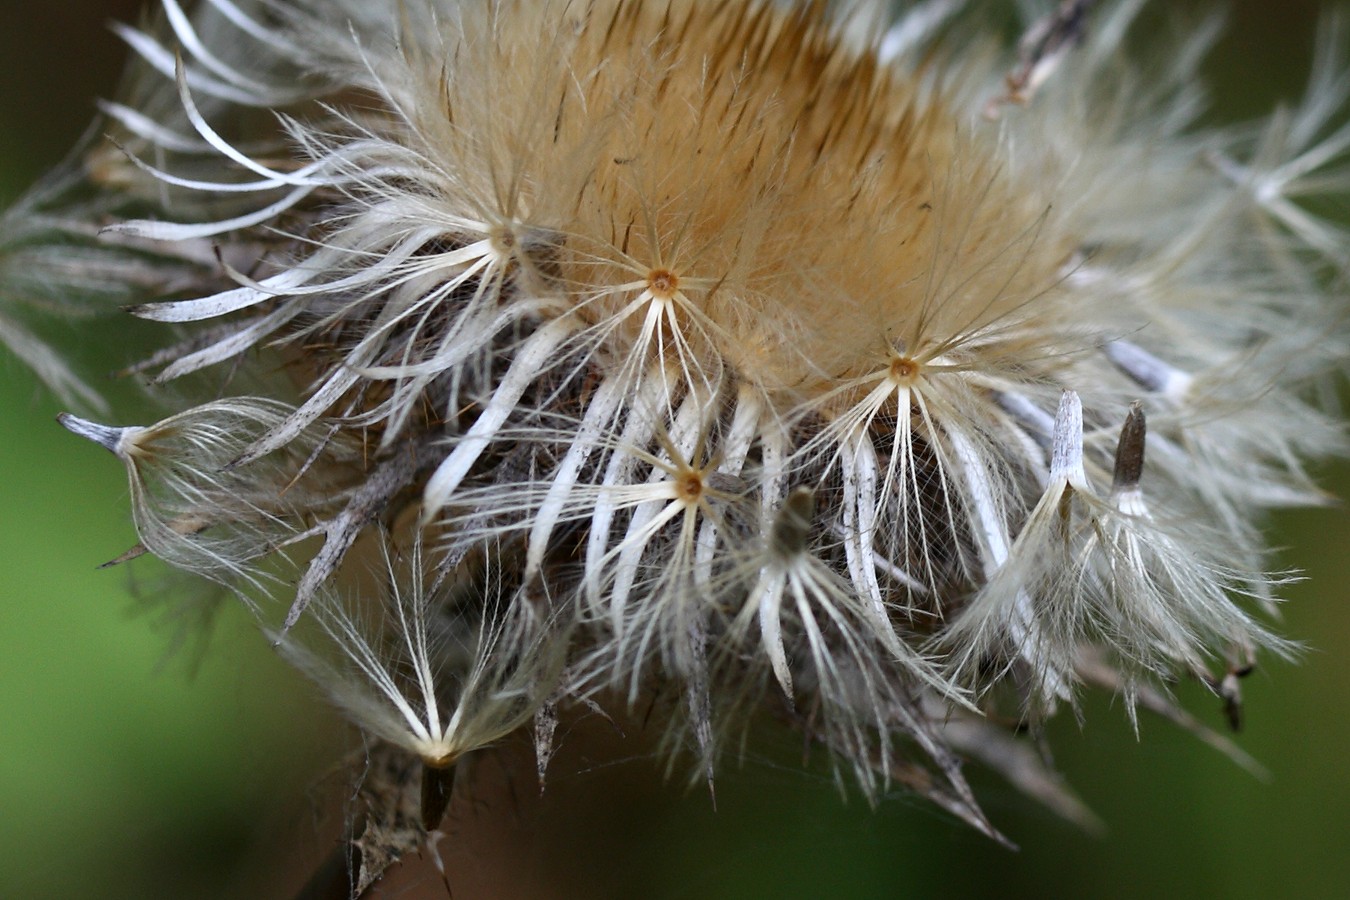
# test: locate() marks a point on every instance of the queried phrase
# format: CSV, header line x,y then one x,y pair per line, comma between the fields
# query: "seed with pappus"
x,y
883,372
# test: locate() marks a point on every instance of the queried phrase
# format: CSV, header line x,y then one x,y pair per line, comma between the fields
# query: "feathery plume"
x,y
788,352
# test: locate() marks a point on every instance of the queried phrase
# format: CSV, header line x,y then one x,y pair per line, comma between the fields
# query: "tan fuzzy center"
x,y
818,208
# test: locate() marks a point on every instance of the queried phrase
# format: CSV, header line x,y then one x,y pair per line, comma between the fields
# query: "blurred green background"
x,y
126,774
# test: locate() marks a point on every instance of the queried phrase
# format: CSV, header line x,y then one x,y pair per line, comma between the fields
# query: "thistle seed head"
x,y
789,354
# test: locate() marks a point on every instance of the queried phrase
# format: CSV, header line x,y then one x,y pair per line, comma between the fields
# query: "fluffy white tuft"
x,y
797,358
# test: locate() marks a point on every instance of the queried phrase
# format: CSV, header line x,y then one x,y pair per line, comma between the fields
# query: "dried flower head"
x,y
791,354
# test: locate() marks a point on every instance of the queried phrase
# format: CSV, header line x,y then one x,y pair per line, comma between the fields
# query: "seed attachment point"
x,y
905,370
663,284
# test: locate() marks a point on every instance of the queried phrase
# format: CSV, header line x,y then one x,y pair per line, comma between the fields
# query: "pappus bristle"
x,y
781,356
